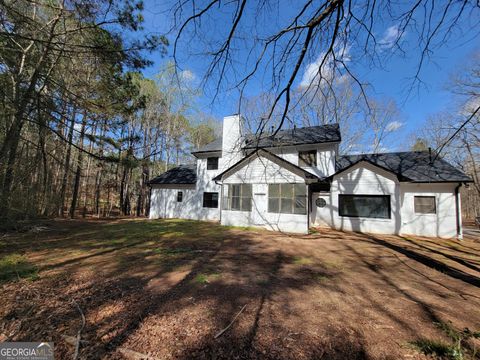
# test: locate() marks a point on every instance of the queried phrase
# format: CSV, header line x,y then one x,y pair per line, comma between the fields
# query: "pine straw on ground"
x,y
164,288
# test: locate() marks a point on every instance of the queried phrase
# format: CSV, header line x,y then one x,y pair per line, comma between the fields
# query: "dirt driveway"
x,y
165,288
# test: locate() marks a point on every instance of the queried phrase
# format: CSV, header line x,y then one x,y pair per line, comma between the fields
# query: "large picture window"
x,y
307,158
212,163
210,199
424,205
368,206
239,197
287,198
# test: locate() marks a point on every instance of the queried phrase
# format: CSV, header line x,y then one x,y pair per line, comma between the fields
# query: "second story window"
x,y
307,158
212,163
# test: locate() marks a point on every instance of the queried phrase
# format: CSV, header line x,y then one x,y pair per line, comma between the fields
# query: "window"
x,y
307,158
424,204
369,206
210,199
179,196
239,197
212,163
287,198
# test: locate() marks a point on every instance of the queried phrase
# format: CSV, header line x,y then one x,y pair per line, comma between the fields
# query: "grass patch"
x,y
298,260
437,349
206,278
455,351
16,266
320,277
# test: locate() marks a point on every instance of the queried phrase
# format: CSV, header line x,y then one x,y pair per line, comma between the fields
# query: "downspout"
x,y
458,212
309,206
221,199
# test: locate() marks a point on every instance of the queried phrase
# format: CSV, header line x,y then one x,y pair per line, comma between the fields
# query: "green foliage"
x,y
437,349
455,351
16,267
420,145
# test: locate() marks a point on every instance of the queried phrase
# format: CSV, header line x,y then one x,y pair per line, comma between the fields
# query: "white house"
x,y
297,179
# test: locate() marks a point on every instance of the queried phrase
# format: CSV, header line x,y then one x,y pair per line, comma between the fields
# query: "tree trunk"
x,y
78,173
66,166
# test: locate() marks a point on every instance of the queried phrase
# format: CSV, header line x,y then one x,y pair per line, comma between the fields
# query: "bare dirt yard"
x,y
165,288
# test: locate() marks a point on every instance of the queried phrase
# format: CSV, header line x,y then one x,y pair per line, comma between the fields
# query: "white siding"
x,y
261,170
366,179
260,217
441,224
164,203
325,157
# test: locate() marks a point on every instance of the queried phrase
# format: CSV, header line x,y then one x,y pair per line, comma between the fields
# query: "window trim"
x,y
425,213
204,200
209,166
301,161
227,205
366,196
179,196
292,198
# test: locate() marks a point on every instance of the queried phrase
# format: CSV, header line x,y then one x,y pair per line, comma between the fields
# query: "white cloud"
x,y
187,75
313,75
393,126
391,36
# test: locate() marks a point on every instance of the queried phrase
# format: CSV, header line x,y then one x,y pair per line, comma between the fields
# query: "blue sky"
x,y
390,81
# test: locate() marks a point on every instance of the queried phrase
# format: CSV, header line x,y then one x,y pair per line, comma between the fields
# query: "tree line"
x,y
81,130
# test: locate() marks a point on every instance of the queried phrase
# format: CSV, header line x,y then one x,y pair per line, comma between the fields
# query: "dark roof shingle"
x,y
215,145
415,166
298,136
183,174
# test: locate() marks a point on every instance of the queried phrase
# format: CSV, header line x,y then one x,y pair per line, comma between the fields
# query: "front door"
x,y
321,214
259,206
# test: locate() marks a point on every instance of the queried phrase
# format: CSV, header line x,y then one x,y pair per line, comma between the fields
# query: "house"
x,y
296,179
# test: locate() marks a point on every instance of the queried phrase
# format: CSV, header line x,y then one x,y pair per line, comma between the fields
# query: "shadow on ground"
x,y
165,288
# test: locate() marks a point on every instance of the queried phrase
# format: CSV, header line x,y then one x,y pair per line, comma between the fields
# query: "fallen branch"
x,y
220,333
78,339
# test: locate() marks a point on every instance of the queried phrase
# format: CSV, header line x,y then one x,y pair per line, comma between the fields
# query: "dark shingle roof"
x,y
412,166
183,174
298,136
215,145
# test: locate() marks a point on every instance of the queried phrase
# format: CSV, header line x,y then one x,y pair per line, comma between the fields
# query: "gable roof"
x,y
414,166
309,177
183,174
297,136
